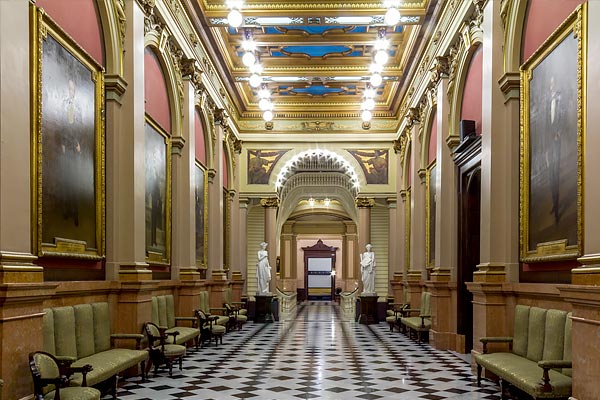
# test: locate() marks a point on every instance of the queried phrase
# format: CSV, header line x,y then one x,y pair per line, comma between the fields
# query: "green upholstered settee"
x,y
163,315
219,312
422,323
80,335
539,357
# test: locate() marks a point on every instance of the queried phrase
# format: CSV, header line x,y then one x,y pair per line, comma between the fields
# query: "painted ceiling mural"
x,y
313,58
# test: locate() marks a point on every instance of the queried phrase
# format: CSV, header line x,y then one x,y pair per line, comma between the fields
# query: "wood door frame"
x,y
468,162
319,250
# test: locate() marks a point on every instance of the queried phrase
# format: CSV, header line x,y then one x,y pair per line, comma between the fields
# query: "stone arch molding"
x,y
323,173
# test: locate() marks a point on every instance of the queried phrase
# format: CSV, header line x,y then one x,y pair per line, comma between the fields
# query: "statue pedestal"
x,y
264,311
367,313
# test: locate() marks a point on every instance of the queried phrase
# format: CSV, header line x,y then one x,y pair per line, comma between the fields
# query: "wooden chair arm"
x,y
132,336
83,370
496,339
547,365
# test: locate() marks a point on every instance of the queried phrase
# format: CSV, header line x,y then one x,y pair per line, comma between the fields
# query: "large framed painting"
x,y
158,194
67,145
552,132
201,204
260,165
374,164
430,209
226,228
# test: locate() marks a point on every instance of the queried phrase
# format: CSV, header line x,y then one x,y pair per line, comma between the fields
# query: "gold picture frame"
x,y
552,137
157,253
202,262
430,205
67,147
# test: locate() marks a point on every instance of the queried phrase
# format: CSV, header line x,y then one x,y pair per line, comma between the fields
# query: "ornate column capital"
x,y
412,117
147,6
269,202
211,175
440,69
365,202
190,69
220,117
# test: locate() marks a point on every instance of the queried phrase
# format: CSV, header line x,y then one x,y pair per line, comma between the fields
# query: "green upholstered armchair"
x,y
81,334
236,316
51,379
421,323
163,315
219,312
239,305
209,328
162,352
396,311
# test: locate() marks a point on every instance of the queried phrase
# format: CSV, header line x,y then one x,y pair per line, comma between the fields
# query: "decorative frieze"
x,y
365,202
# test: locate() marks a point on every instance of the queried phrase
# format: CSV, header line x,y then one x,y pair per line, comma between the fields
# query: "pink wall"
x,y
433,138
225,170
543,17
80,19
471,103
200,143
156,95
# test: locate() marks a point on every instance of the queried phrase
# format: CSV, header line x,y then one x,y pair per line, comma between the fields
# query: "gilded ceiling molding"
x,y
365,202
269,202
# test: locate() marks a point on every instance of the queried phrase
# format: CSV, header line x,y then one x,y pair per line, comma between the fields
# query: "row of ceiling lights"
x,y
249,59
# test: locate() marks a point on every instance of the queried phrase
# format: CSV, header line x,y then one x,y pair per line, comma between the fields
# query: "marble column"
x,y
350,251
183,253
125,158
271,205
589,273
417,205
446,192
499,161
288,256
23,292
242,239
393,242
216,203
235,248
16,258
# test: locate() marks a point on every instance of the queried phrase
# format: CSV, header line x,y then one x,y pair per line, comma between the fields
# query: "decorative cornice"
x,y
269,202
365,202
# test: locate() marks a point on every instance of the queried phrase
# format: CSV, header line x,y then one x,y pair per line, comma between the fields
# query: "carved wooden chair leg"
x,y
114,388
181,363
478,375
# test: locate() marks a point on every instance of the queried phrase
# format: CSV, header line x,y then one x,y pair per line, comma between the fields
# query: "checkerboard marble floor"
x,y
315,356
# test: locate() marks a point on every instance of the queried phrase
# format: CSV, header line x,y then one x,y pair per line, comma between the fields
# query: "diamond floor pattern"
x,y
315,356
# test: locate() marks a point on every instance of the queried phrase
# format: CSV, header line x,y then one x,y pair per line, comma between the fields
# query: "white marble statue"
x,y
367,268
263,270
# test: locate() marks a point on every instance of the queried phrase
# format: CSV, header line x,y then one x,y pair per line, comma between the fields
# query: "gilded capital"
x,y
365,202
237,145
412,116
440,69
147,6
190,68
269,202
220,117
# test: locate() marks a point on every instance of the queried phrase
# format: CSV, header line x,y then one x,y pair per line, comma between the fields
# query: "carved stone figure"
x,y
367,268
263,270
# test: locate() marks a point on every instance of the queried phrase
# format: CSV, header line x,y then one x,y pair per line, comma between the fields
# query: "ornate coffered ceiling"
x,y
315,58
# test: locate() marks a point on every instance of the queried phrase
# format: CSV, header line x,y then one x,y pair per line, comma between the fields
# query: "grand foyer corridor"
x,y
315,356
